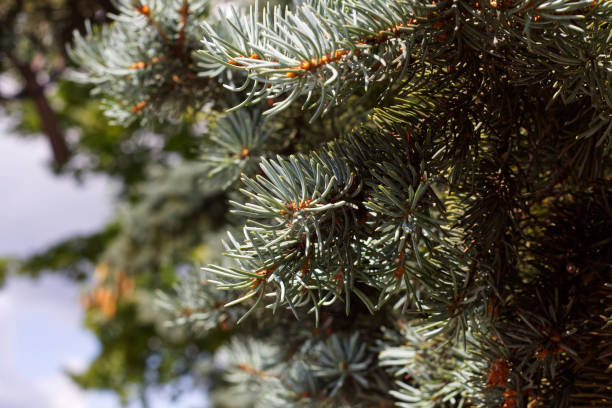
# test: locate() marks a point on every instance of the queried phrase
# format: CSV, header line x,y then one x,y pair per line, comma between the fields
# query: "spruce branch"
x,y
142,64
323,49
301,218
237,141
197,305
475,201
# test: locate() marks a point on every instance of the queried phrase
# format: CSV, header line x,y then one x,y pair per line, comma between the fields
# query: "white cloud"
x,y
6,339
61,392
16,392
40,208
41,336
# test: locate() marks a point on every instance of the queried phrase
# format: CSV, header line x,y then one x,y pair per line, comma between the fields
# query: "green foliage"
x,y
167,221
123,153
34,34
74,257
135,353
4,269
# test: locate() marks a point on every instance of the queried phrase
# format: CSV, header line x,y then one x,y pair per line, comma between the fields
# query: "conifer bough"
x,y
452,250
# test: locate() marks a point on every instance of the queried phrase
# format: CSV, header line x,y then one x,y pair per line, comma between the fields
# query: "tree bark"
x,y
50,125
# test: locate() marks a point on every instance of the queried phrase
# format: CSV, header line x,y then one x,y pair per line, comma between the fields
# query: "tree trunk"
x,y
50,126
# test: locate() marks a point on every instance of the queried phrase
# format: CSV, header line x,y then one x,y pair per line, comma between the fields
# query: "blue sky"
x,y
41,334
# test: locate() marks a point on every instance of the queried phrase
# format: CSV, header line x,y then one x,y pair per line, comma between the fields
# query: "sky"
x,y
41,335
38,208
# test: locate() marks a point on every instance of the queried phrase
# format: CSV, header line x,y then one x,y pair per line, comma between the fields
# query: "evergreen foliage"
x,y
420,194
